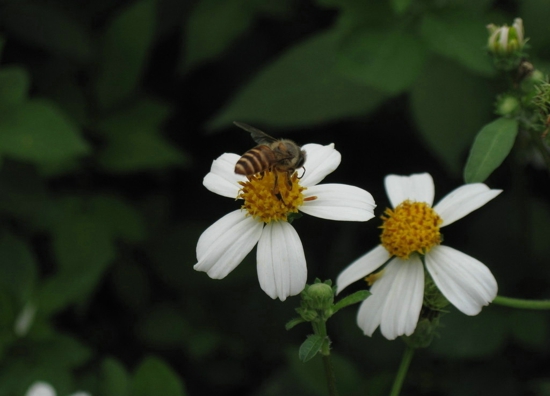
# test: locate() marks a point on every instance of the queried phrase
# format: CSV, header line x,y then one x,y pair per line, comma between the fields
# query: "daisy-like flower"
x,y
410,239
269,200
44,389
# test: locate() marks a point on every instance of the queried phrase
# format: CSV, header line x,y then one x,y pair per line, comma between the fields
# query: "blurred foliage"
x,y
111,113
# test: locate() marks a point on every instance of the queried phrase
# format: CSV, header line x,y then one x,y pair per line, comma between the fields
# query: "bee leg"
x,y
276,191
289,180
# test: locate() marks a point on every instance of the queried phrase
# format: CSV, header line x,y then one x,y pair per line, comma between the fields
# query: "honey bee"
x,y
271,154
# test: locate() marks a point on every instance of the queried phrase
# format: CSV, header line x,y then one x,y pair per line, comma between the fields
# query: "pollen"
x,y
370,279
271,195
410,227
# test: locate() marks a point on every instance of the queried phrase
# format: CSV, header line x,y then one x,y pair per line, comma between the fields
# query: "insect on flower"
x,y
282,155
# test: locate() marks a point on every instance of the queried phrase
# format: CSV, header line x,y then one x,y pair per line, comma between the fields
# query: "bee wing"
x,y
259,137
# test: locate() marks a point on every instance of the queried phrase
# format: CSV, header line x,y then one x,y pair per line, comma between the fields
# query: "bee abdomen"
x,y
255,160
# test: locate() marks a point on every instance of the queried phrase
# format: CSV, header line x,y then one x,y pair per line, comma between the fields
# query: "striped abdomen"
x,y
255,160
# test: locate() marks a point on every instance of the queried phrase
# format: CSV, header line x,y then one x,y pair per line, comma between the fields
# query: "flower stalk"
x,y
402,371
522,303
317,306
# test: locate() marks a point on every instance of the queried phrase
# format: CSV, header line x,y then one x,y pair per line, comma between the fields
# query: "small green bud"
x,y
507,105
537,76
320,296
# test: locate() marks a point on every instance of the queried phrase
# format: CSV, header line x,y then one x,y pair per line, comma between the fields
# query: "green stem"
x,y
521,303
329,373
320,328
539,144
402,372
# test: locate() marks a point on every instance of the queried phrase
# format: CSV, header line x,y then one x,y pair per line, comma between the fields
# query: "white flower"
x,y
24,320
262,219
44,389
410,231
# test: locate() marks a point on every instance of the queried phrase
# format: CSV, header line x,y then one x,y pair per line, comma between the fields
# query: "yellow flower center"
x,y
272,195
410,227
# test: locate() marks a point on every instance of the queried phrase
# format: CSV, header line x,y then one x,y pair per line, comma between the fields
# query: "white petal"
x,y
320,161
361,267
222,178
466,282
464,200
226,243
404,300
80,393
396,300
25,319
416,188
40,389
282,269
339,202
370,312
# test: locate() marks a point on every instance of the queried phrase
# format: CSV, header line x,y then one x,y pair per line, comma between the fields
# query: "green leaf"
x,y
376,58
133,139
131,284
293,322
68,351
165,326
145,111
529,328
70,96
114,379
23,193
491,146
478,6
14,85
449,106
125,49
18,270
138,150
533,13
38,131
155,377
310,347
351,299
212,26
471,336
83,248
458,36
82,241
301,87
48,28
400,6
122,220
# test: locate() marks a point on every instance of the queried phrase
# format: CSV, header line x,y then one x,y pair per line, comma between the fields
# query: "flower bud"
x,y
507,105
504,40
320,296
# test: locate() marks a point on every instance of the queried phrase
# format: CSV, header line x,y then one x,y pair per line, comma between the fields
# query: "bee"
x,y
271,154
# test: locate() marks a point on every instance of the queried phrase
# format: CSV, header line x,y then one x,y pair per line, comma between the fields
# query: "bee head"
x,y
301,159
